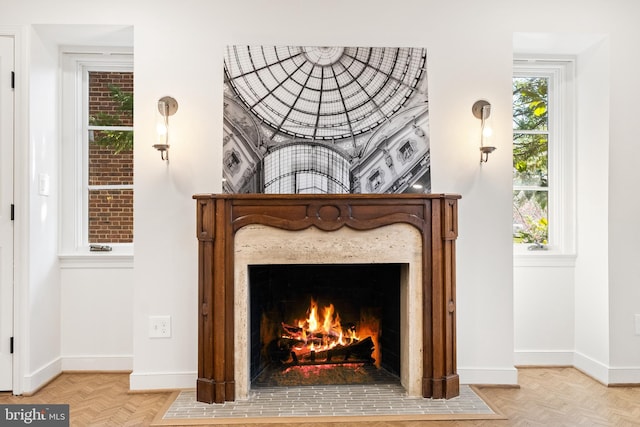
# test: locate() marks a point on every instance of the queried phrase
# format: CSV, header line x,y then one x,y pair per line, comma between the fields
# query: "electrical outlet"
x,y
159,326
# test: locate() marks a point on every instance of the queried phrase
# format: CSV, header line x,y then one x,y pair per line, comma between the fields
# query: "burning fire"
x,y
313,337
321,333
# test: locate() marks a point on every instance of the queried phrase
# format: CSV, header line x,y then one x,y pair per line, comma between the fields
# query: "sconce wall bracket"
x,y
167,105
477,107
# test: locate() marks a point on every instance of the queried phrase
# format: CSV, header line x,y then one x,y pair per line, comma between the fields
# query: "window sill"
x,y
118,258
541,258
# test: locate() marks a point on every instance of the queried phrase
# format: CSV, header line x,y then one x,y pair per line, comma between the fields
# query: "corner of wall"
x,y
34,381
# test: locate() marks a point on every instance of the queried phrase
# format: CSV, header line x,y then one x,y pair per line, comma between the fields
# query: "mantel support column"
x,y
215,321
440,379
205,389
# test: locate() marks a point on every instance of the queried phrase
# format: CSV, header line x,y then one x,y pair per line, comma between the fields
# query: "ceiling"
x,y
323,93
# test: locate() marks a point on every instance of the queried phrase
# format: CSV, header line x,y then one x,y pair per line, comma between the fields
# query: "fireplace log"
x,y
295,332
291,330
359,351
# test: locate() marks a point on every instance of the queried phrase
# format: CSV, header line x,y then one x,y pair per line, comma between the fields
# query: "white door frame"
x,y
7,144
21,200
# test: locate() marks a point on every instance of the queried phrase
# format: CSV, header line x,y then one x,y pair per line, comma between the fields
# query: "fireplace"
x,y
250,244
317,324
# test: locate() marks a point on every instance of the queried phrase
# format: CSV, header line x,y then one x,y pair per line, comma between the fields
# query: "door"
x,y
6,222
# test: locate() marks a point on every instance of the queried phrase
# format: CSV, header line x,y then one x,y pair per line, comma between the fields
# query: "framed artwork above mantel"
x,y
326,120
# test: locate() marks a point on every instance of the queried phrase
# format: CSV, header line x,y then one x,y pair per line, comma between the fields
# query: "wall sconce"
x,y
167,106
482,110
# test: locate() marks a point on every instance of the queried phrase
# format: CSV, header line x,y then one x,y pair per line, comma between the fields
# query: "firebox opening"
x,y
324,323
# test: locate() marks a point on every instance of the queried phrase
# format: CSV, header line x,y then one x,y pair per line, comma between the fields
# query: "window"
x,y
531,132
97,152
109,125
543,155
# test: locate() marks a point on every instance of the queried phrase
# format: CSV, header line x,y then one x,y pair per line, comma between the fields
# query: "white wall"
x,y
178,52
544,315
40,332
484,265
624,206
96,316
592,284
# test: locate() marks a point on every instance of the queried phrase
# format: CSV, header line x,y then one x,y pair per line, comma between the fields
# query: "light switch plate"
x,y
43,184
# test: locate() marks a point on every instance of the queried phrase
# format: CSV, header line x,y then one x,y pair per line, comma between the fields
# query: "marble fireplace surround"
x,y
416,231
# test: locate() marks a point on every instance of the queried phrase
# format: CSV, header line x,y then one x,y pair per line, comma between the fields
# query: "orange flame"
x,y
327,327
317,334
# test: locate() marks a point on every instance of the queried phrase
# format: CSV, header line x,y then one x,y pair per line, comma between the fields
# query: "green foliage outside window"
x,y
530,159
117,140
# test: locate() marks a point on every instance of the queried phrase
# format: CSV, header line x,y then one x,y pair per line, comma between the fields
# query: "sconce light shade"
x,y
167,106
481,109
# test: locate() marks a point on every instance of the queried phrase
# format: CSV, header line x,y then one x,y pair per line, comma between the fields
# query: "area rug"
x,y
352,403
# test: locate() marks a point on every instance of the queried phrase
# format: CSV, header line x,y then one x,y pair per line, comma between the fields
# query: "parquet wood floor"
x,y
546,397
97,399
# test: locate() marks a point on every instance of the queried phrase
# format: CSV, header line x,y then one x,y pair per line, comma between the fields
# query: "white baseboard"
x,y
544,358
162,380
97,363
624,376
597,370
497,376
34,381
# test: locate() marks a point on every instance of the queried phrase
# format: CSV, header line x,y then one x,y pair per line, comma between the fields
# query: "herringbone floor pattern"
x,y
97,400
546,397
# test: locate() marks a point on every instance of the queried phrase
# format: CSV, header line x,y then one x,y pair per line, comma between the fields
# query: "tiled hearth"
x,y
285,404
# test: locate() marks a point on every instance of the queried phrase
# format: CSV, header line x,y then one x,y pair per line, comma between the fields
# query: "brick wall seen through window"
x,y
110,155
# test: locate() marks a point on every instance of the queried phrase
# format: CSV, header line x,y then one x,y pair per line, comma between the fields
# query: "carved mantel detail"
x,y
220,216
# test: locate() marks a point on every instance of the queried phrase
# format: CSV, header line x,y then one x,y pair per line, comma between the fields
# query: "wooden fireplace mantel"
x,y
219,216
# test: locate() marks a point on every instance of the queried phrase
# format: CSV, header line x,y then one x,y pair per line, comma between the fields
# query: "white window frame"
x,y
74,159
561,160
